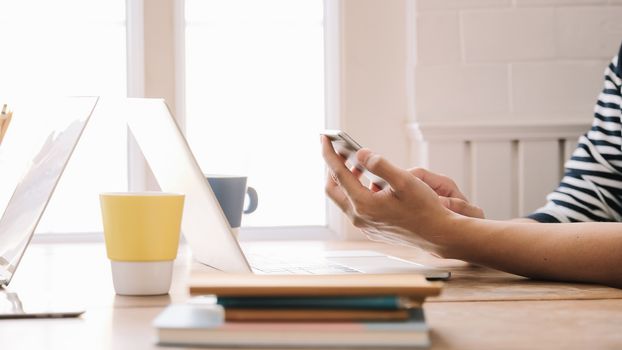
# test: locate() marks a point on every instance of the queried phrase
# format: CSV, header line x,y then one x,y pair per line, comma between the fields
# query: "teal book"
x,y
387,302
201,325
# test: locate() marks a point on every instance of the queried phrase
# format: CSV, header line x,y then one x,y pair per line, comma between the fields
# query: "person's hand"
x,y
447,189
449,193
406,210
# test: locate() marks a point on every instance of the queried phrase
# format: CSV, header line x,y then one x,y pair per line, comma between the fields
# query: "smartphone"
x,y
347,147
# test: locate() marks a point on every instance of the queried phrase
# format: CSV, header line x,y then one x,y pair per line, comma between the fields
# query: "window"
x,y
253,94
255,101
70,47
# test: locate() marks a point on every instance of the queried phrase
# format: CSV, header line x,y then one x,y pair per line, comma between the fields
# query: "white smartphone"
x,y
347,147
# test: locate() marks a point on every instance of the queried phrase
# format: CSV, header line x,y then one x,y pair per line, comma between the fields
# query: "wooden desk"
x,y
479,308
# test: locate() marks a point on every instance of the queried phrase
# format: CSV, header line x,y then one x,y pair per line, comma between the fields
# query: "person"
x,y
575,237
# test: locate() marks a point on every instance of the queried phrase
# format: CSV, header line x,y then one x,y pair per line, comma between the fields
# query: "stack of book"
x,y
301,311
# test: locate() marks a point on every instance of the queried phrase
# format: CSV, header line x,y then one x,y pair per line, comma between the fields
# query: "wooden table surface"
x,y
478,309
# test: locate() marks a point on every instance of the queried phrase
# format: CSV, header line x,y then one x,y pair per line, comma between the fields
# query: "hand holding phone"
x,y
347,148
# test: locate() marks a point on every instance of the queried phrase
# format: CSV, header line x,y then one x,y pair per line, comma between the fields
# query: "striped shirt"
x,y
591,189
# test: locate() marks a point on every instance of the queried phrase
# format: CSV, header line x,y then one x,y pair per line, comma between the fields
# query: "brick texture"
x,y
505,35
438,36
451,92
588,32
556,87
536,59
435,5
531,3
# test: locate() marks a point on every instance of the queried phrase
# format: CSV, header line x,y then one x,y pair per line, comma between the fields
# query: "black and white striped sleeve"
x,y
591,189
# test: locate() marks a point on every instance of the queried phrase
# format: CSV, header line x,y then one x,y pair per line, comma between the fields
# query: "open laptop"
x,y
33,155
204,225
36,151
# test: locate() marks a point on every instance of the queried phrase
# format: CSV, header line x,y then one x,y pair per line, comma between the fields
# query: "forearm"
x,y
585,252
524,220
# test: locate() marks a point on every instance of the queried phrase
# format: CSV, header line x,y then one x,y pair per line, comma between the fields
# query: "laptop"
x,y
33,155
36,150
204,225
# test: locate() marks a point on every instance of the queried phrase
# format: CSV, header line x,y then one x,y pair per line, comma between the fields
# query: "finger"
x,y
462,207
356,171
334,192
338,197
442,185
397,178
350,184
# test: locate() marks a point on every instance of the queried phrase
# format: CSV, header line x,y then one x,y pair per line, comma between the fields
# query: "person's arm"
x,y
581,252
410,210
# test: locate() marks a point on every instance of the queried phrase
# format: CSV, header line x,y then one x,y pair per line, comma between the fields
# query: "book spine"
x,y
368,303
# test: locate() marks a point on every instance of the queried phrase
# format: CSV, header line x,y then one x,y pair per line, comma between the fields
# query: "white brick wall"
x,y
511,60
600,40
508,35
427,5
452,96
438,35
546,89
558,2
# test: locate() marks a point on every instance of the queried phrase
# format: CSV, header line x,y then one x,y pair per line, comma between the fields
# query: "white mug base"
x,y
142,277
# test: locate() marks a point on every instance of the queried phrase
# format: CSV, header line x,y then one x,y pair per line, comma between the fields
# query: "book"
x,y
224,285
362,308
196,325
305,315
382,302
340,308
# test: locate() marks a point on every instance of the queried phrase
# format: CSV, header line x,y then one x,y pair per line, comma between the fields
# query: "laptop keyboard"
x,y
267,264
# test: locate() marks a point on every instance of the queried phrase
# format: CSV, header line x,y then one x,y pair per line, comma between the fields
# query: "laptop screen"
x,y
164,146
39,142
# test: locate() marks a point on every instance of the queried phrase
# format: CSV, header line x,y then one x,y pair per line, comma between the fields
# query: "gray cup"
x,y
231,191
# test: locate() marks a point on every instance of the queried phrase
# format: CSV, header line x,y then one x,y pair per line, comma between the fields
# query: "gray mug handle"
x,y
253,200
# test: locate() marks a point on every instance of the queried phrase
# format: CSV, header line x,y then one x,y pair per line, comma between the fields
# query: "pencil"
x,y
5,119
3,115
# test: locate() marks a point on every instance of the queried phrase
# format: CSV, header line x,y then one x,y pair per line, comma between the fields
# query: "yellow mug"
x,y
141,231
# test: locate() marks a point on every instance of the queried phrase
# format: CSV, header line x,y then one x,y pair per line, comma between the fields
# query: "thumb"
x,y
396,177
